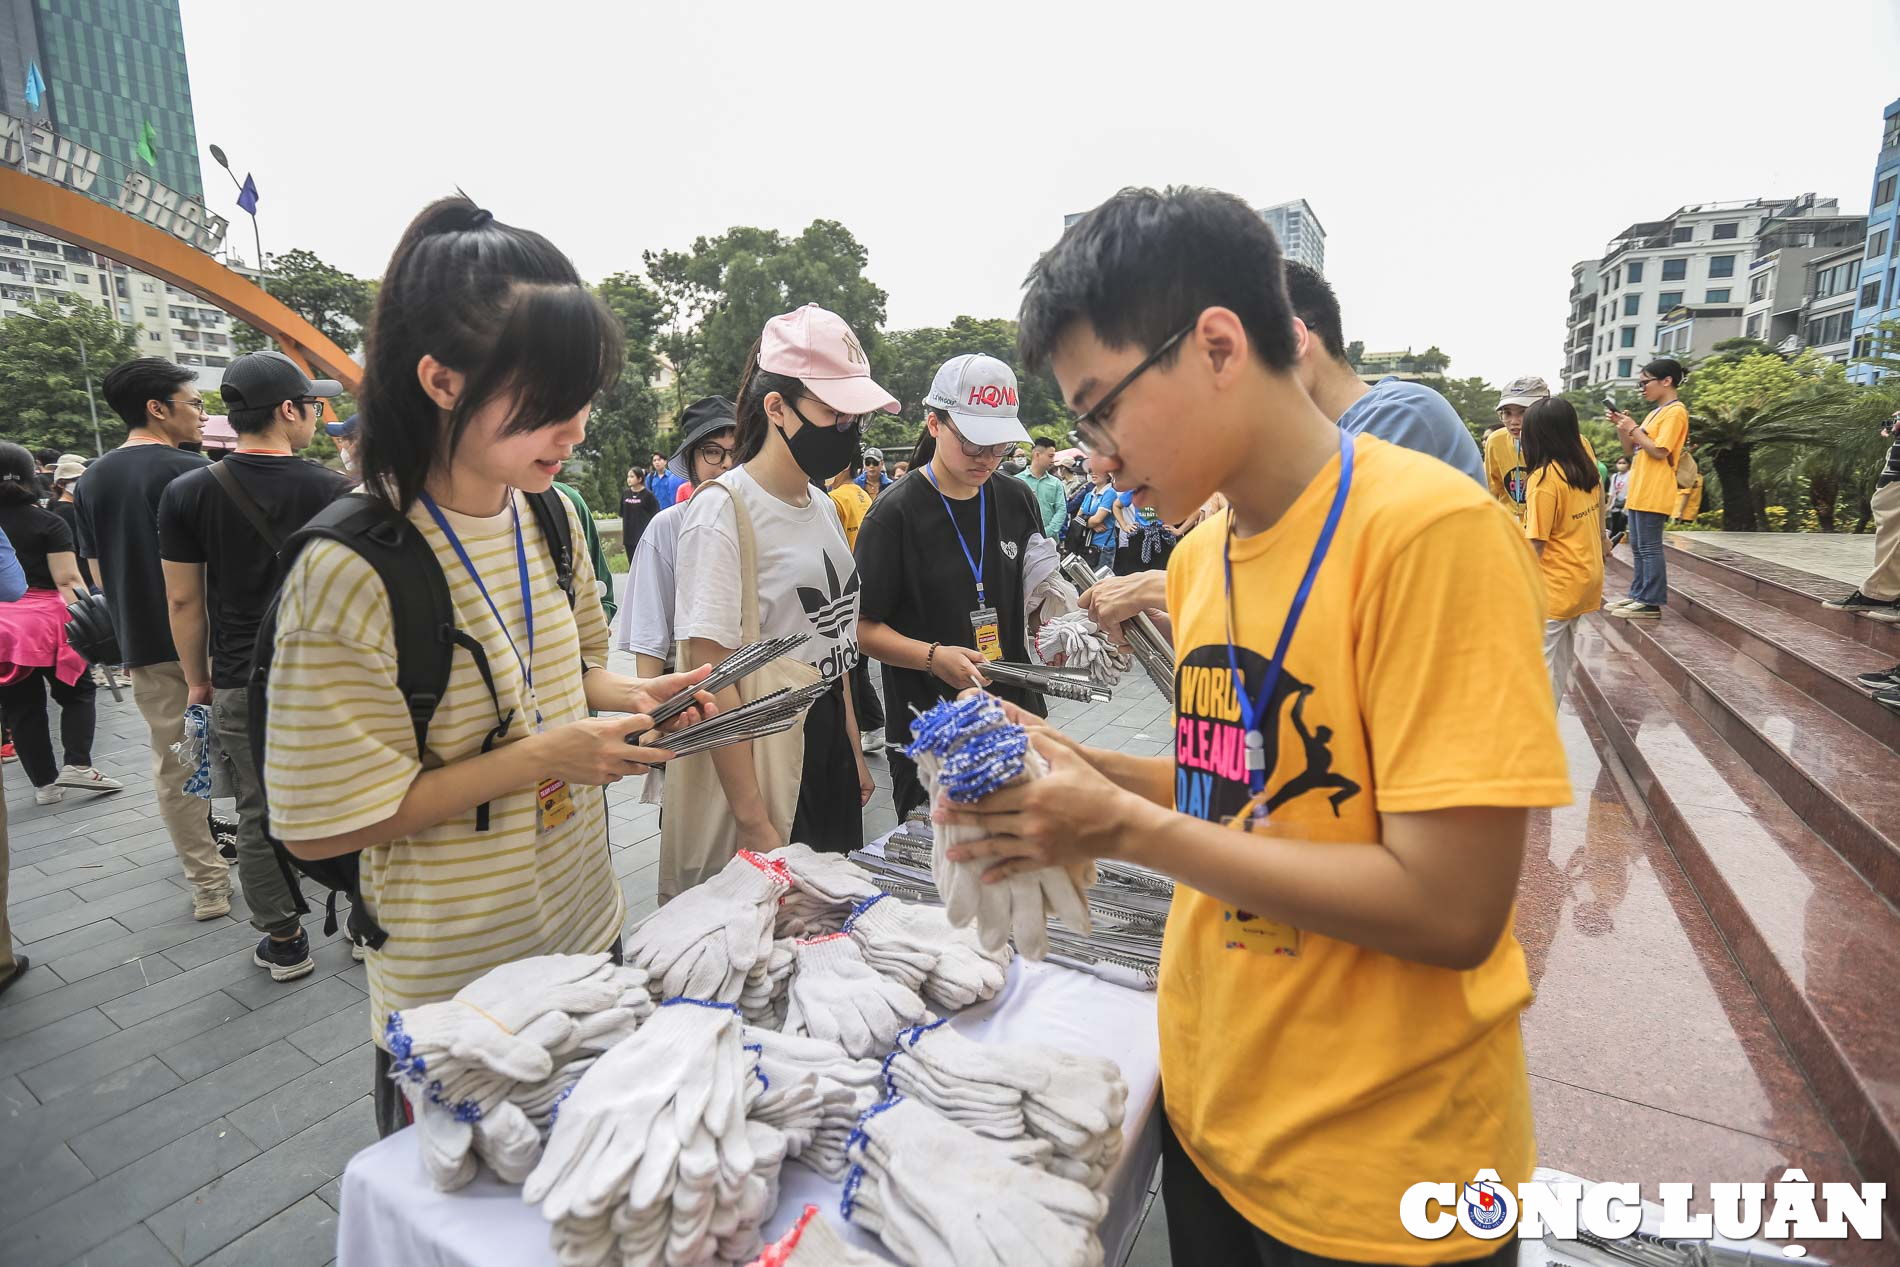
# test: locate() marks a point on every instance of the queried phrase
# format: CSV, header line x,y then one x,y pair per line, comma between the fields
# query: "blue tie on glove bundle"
x,y
942,1196
194,750
966,749
919,946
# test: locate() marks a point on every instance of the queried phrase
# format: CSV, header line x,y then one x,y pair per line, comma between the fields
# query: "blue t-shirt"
x,y
1413,416
665,487
1098,498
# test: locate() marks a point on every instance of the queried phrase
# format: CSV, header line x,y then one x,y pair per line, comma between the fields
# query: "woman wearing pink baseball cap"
x,y
769,558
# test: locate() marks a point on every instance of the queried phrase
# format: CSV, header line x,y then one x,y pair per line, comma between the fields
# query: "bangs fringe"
x,y
558,348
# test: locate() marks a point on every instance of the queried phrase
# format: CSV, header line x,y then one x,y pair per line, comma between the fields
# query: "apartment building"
x,y
1877,292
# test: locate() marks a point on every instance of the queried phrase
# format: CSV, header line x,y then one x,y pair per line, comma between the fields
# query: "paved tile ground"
x,y
162,1101
1843,556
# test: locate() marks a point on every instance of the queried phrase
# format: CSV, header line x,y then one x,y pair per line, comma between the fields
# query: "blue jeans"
x,y
1651,582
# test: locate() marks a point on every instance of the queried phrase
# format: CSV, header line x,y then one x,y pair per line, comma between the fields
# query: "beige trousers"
x,y
160,692
1883,583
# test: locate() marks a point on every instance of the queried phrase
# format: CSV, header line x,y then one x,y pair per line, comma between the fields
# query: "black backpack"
x,y
422,620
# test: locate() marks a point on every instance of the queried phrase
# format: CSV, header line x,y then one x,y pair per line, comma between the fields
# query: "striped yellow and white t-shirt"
x,y
341,754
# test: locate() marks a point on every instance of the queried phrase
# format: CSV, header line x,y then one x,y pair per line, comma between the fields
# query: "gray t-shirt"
x,y
1413,416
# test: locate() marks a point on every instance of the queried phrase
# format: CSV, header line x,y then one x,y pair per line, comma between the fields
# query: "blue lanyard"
x,y
527,595
982,530
1254,712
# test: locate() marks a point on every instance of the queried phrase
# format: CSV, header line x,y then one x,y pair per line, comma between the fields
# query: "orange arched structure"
x,y
38,204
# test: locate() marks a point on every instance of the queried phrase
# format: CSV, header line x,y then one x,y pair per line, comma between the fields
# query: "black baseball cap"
x,y
265,380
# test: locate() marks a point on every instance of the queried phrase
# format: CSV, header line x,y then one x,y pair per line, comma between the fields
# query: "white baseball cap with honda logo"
x,y
979,394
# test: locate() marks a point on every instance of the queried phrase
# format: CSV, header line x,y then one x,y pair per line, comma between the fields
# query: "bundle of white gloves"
x,y
1011,1091
812,1242
655,1159
941,1195
1073,640
707,942
967,749
826,888
919,947
483,1071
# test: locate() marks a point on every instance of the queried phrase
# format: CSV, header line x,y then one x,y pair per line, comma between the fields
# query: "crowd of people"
x,y
461,771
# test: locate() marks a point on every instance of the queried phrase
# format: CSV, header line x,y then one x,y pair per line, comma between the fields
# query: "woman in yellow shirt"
x,y
1563,517
1654,448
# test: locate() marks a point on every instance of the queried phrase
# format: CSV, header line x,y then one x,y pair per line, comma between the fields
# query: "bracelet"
x,y
931,655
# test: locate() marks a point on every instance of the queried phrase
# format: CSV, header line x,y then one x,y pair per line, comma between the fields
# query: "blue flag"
x,y
35,86
247,196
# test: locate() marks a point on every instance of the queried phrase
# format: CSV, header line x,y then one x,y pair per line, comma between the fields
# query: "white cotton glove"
x,y
1073,640
935,1175
445,1142
665,1070
702,944
835,995
507,1140
831,877
812,1242
517,994
919,946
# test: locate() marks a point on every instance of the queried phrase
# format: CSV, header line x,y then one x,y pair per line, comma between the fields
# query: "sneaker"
x,y
86,779
224,832
1637,611
287,960
1884,680
210,903
871,742
1859,602
51,794
1891,699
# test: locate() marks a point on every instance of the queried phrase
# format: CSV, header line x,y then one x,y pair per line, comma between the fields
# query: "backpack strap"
x,y
247,506
550,512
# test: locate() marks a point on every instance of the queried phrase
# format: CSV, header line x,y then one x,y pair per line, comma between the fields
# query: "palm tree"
x,y
1739,406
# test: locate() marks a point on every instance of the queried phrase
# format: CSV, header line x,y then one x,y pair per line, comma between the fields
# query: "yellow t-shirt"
x,y
1311,1080
1504,471
852,503
341,754
1652,480
1569,521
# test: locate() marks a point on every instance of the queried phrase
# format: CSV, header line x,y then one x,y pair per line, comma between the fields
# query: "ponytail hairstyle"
x,y
926,446
1667,367
755,385
1551,435
500,304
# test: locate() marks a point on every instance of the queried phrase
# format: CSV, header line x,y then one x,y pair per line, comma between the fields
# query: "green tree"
x,y
1883,351
1431,361
908,360
1355,352
746,276
683,306
624,425
1739,406
1739,348
43,382
337,304
246,338
1474,400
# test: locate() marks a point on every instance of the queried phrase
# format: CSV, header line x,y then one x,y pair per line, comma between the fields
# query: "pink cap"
x,y
816,347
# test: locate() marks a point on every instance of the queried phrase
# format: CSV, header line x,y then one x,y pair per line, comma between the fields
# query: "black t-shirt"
x,y
914,578
199,523
117,501
637,508
35,533
70,518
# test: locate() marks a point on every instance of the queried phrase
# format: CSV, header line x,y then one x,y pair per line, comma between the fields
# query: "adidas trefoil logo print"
x,y
830,613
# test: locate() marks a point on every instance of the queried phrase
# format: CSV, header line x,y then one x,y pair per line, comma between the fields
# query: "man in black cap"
x,y
219,531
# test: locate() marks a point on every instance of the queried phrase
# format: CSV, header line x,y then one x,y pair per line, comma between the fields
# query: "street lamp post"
x,y
217,152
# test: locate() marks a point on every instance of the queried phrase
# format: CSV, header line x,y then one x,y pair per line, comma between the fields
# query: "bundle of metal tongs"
x,y
741,663
1155,652
1071,684
772,714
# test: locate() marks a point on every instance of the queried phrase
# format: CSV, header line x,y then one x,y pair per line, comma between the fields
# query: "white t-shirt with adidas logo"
x,y
808,581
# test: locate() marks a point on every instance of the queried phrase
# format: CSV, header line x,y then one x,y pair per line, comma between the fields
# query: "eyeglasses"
x,y
1091,427
315,402
1645,382
842,421
713,453
195,402
998,451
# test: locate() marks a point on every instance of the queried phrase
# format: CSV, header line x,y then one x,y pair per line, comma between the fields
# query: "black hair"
x,y
926,446
19,475
46,457
130,385
1042,442
1315,304
248,422
1551,435
1667,367
501,304
1144,264
755,385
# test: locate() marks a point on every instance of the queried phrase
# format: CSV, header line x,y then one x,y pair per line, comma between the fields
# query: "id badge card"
x,y
553,805
1243,930
987,627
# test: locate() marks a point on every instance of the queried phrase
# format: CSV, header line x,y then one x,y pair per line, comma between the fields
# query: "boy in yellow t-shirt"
x,y
1504,468
1654,448
1340,989
852,503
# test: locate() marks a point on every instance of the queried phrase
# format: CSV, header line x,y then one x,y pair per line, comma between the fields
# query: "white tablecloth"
x,y
392,1217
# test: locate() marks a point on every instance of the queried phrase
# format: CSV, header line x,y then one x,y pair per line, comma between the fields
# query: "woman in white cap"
x,y
762,554
944,555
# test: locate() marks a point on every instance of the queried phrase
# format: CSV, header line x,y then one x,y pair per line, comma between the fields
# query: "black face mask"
x,y
821,452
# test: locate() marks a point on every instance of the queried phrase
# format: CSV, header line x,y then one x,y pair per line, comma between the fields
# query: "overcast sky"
x,y
1460,164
